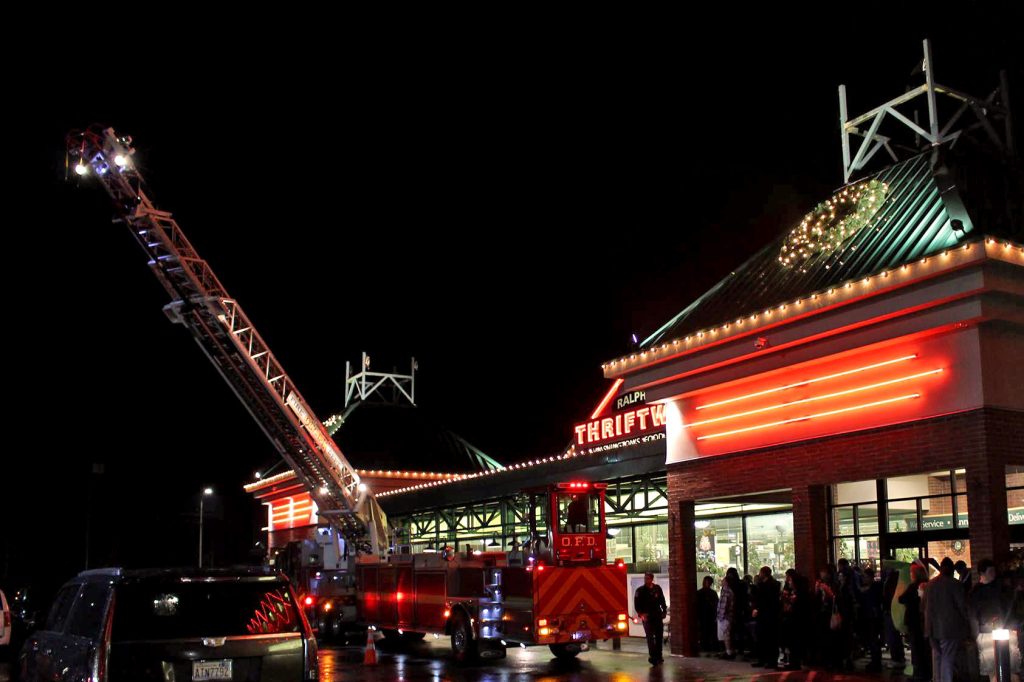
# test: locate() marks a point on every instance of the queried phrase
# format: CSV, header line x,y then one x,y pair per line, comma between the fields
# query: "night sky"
x,y
506,210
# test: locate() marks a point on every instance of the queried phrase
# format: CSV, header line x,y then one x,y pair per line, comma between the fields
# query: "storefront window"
x,y
930,494
719,546
652,547
843,549
1015,494
858,491
962,519
961,480
620,545
903,516
842,523
868,551
929,501
867,519
770,542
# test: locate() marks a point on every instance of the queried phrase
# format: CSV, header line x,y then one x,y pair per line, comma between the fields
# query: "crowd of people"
x,y
847,612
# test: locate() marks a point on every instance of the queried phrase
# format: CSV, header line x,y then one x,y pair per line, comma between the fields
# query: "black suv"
x,y
114,625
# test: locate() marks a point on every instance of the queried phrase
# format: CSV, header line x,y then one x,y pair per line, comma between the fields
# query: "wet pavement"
x,y
431,660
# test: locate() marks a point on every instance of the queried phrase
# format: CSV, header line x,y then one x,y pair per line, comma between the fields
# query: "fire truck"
x,y
558,589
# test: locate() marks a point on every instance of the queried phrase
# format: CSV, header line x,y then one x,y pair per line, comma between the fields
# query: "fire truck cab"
x,y
567,526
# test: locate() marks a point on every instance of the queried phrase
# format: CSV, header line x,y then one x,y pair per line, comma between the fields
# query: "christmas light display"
x,y
832,222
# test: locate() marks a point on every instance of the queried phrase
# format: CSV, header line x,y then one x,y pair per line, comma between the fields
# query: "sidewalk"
x,y
709,666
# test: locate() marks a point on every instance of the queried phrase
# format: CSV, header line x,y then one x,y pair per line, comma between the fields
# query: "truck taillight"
x,y
447,613
622,616
308,601
544,632
621,626
542,622
327,606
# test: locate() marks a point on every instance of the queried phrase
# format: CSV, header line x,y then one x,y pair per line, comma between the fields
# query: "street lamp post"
x,y
206,491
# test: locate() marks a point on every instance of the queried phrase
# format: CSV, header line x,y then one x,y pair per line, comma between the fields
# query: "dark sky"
x,y
507,210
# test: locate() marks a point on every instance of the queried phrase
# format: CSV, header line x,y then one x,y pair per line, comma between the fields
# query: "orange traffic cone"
x,y
370,656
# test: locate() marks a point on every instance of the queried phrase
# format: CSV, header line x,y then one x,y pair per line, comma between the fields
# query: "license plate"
x,y
211,670
581,634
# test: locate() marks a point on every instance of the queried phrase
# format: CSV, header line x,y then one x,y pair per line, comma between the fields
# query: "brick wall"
x,y
983,441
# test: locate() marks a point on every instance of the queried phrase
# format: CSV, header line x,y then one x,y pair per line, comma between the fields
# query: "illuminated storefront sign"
x,y
633,422
888,384
624,402
1014,516
292,512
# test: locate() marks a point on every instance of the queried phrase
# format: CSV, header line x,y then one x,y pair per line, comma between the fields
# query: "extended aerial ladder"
x,y
229,339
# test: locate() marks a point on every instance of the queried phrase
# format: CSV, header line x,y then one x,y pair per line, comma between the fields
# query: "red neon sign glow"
x,y
810,416
816,398
807,382
292,511
608,398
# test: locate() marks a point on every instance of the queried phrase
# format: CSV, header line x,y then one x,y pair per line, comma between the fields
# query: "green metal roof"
x,y
915,219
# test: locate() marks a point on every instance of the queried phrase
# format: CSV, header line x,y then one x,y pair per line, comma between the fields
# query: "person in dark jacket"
x,y
766,619
794,622
920,655
847,587
707,615
988,607
741,635
649,602
891,636
945,620
870,618
824,602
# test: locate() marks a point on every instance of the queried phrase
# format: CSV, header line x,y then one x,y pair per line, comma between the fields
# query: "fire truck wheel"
x,y
564,651
463,645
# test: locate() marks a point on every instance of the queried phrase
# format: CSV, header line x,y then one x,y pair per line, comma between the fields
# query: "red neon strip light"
x,y
608,398
809,381
815,398
290,510
291,514
811,416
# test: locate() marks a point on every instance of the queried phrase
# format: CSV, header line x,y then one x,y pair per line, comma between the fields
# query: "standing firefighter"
x,y
650,605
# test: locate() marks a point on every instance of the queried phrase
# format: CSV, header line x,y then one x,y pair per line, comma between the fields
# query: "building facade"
x,y
872,380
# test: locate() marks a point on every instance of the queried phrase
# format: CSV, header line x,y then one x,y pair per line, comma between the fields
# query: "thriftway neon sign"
x,y
624,424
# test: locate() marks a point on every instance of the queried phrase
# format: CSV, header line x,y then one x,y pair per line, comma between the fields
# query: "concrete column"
x,y
810,528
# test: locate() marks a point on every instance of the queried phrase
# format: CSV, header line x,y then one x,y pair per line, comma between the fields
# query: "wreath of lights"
x,y
832,222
